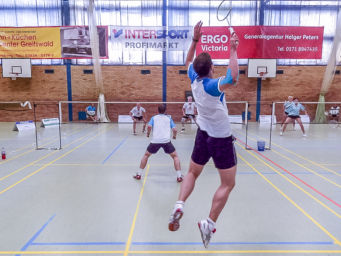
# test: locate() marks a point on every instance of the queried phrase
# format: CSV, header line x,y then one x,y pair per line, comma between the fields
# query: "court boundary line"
x,y
303,166
114,150
41,158
299,156
336,241
51,162
174,252
132,228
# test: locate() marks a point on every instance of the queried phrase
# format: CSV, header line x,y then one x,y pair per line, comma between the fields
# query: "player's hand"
x,y
197,31
234,41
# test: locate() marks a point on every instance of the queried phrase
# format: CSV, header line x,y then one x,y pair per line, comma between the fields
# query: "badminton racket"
x,y
224,13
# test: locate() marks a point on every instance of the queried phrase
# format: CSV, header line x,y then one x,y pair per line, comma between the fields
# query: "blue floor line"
x,y
114,150
34,237
187,243
80,243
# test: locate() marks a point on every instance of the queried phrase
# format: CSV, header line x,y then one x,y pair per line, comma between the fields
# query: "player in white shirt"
x,y
188,111
334,113
137,114
91,112
162,125
214,137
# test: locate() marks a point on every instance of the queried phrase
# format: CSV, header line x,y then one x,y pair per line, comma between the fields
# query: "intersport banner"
x,y
151,38
263,42
67,42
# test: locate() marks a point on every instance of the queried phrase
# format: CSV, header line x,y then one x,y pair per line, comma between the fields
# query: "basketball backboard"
x,y
259,67
14,68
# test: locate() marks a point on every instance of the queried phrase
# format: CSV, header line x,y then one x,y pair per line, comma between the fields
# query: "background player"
x,y
137,114
214,138
188,111
91,112
294,114
161,125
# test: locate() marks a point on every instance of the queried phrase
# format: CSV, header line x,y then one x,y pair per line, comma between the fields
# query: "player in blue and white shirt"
x,y
286,107
214,138
91,112
294,114
162,126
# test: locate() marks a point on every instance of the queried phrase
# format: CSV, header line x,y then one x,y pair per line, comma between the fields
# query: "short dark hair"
x,y
202,64
162,108
295,98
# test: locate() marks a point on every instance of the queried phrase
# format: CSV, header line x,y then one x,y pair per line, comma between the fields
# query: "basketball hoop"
x,y
14,77
261,75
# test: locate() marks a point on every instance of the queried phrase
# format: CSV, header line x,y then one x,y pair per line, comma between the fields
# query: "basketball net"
x,y
261,75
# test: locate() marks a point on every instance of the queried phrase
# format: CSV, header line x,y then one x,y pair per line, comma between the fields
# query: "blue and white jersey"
x,y
211,105
162,125
295,109
90,110
288,105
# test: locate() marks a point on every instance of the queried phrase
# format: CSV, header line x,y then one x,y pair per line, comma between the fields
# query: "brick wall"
x,y
126,83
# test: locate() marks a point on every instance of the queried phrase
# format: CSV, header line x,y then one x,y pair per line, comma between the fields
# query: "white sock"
x,y
178,173
140,171
179,204
211,223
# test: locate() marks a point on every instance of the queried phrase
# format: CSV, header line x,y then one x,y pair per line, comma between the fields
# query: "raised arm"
x,y
196,37
231,77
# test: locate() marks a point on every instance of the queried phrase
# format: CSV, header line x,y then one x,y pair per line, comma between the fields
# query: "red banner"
x,y
264,42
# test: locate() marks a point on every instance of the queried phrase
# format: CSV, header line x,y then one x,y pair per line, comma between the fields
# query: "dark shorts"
x,y
167,147
286,113
294,117
139,118
221,150
188,116
334,115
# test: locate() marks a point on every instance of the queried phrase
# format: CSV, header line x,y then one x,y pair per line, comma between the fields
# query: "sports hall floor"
x,y
82,200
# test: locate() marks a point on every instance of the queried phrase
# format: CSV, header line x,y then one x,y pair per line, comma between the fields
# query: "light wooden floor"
x,y
83,200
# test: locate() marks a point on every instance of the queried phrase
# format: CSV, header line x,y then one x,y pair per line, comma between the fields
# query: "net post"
x,y
60,111
59,128
271,124
35,123
246,112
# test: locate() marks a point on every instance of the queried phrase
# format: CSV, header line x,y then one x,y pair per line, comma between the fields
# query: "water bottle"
x,y
3,153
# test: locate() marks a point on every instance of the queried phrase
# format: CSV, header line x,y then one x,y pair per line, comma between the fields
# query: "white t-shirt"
x,y
211,105
137,112
189,108
162,126
334,110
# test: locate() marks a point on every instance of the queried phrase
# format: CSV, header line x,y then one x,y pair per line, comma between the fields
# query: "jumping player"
x,y
294,114
137,114
188,111
161,125
214,138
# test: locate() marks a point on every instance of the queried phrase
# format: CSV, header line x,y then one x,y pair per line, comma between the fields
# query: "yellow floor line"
x,y
42,158
31,150
126,252
176,252
302,157
48,164
336,241
301,165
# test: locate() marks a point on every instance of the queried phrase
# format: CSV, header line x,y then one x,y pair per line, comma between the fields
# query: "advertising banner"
x,y
151,38
264,42
69,42
35,42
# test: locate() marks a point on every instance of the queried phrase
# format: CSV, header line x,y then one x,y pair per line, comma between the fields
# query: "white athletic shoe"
x,y
280,133
206,232
174,220
304,135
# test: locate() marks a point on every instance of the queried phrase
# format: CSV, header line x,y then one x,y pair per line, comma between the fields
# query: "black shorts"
x,y
286,113
294,117
221,150
139,118
334,115
167,147
187,116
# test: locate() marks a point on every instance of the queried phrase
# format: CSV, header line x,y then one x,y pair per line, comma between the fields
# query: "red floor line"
x,y
311,187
